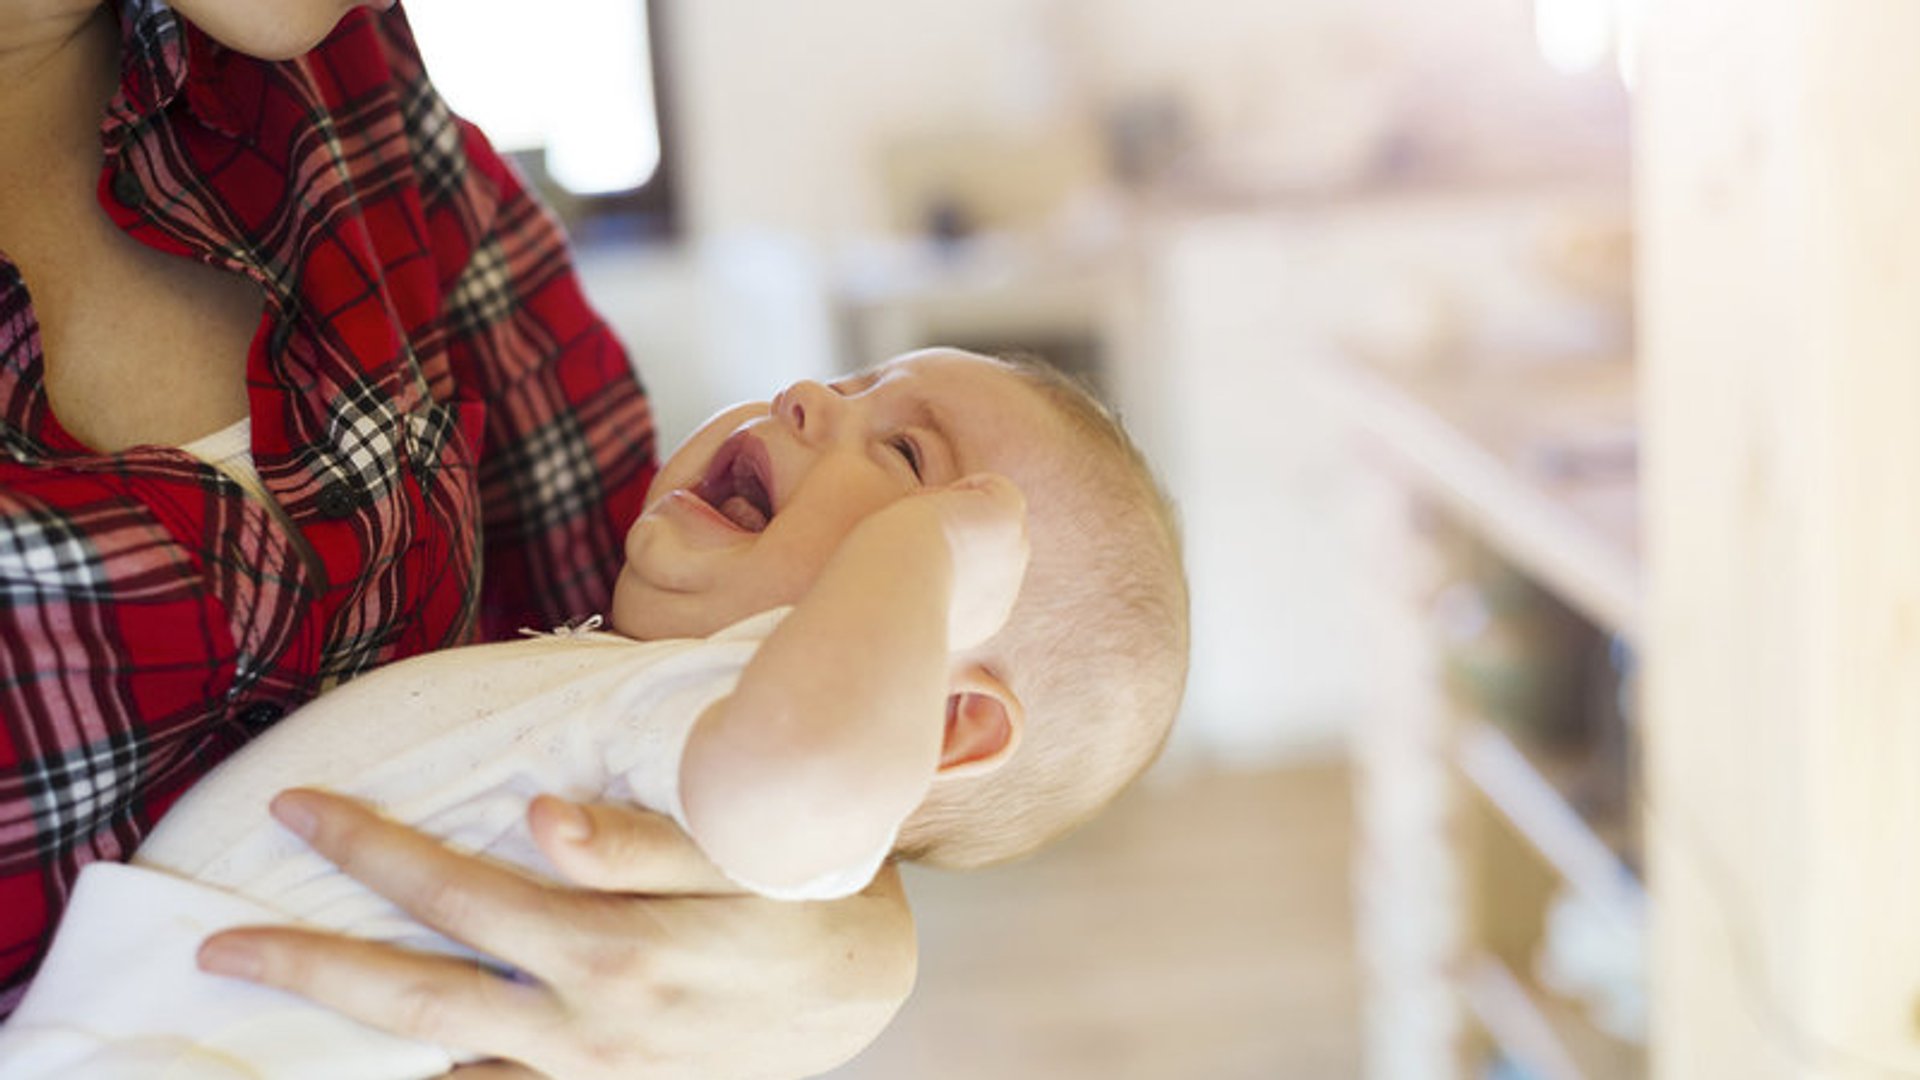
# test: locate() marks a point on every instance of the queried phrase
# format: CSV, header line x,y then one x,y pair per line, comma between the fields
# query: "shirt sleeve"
x,y
112,651
567,449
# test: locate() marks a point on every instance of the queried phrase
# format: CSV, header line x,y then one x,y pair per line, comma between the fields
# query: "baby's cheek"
x,y
813,543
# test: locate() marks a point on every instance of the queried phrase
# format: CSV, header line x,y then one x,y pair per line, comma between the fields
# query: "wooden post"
x,y
1778,186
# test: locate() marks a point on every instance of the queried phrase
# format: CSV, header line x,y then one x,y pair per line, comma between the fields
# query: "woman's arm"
x,y
834,733
541,395
653,969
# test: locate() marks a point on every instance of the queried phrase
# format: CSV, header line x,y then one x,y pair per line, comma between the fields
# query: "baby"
x,y
932,611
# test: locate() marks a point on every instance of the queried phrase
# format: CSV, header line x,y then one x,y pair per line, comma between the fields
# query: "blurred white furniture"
x,y
1776,613
1483,872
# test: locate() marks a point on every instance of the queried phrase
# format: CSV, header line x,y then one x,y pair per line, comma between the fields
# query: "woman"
x,y
287,357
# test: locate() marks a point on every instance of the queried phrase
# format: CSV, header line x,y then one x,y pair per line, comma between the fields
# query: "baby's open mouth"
x,y
736,484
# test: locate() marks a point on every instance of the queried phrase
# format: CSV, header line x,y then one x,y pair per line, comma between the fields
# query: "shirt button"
x,y
127,189
337,500
260,714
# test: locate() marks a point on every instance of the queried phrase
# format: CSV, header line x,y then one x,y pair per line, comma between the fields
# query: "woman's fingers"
x,y
495,1070
448,1000
492,908
611,847
654,985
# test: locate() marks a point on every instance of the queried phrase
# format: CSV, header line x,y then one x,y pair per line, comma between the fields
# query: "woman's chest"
x,y
137,347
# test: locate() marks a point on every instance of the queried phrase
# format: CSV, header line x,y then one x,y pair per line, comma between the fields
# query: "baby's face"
x,y
747,511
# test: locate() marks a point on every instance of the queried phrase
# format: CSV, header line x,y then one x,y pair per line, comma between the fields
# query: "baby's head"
x,y
747,512
1095,649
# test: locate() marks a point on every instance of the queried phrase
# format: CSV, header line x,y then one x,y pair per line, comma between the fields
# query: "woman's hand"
x,y
655,968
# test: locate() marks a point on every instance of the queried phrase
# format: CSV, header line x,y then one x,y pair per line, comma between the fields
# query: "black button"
x,y
260,714
126,188
337,500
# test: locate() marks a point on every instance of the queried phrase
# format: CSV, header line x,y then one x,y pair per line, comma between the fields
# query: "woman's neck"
x,y
59,66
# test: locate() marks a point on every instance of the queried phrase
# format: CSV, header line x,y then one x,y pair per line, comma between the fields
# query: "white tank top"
x,y
230,450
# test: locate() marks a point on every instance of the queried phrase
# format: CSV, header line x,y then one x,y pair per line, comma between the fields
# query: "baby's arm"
x,y
834,734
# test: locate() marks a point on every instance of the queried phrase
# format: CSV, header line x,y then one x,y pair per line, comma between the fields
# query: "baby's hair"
x,y
1096,646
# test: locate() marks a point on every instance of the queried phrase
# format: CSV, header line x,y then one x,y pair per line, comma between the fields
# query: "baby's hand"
x,y
985,518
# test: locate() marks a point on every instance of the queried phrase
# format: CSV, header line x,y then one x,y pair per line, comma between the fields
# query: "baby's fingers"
x,y
985,517
989,498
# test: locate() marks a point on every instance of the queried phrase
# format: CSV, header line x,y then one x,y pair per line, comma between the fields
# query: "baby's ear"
x,y
984,722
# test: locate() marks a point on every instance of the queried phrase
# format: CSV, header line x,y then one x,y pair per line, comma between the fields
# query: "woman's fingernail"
x,y
295,814
230,958
575,824
566,820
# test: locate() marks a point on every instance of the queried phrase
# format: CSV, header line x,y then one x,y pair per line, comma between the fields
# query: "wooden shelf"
x,y
1508,1012
1537,456
1533,462
1531,803
1542,1034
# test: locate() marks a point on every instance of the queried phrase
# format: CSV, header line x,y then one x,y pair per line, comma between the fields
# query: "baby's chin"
x,y
632,607
646,612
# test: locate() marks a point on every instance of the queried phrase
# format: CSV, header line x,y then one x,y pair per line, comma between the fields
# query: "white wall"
x,y
782,105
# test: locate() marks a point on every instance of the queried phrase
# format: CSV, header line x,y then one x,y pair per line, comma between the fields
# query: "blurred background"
x,y
1357,275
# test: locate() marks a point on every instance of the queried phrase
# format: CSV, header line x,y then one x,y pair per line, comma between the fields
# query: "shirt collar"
x,y
162,55
153,64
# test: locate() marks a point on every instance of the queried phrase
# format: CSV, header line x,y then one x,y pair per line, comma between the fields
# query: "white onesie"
x,y
456,743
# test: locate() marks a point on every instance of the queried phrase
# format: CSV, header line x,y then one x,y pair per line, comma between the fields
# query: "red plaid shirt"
x,y
429,382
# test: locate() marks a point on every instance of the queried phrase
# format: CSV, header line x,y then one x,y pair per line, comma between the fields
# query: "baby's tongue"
x,y
741,511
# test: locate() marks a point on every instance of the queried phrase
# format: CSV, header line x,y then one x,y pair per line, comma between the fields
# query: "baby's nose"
x,y
805,406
